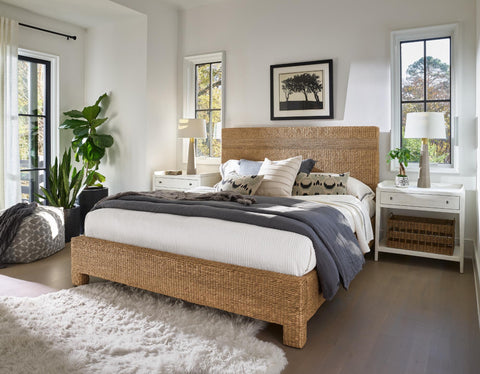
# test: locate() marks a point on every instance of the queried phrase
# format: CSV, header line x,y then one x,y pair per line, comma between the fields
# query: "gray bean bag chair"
x,y
40,235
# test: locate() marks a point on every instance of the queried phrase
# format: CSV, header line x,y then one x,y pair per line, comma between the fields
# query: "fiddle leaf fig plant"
x,y
88,145
403,156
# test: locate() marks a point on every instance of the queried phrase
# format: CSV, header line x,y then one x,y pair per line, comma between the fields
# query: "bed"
x,y
271,296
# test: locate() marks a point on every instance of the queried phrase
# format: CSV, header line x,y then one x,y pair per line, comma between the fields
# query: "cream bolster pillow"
x,y
279,176
359,189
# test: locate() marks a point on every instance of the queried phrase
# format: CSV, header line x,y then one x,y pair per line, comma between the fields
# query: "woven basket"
x,y
421,234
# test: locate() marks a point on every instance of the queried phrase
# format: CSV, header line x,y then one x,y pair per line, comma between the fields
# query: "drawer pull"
x,y
447,201
159,181
191,184
391,198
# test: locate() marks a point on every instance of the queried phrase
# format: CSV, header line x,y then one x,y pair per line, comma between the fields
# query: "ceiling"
x,y
88,13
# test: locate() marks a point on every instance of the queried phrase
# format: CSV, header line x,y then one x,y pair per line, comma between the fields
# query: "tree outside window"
x,y
208,105
426,87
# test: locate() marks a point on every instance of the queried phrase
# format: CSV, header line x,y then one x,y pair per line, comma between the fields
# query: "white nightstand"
x,y
440,198
183,182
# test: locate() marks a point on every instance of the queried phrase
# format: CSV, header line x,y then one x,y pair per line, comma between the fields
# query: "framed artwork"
x,y
302,90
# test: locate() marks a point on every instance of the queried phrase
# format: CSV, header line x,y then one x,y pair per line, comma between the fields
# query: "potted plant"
x,y
64,183
89,147
403,156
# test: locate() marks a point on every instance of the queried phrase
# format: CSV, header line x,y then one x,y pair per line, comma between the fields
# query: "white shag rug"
x,y
111,328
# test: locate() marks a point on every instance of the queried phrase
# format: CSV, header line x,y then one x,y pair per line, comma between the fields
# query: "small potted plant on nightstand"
x,y
403,156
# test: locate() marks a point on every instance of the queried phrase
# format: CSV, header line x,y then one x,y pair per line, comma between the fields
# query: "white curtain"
x,y
10,192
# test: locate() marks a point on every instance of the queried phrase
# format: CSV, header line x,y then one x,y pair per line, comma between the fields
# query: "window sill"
x,y
434,169
208,160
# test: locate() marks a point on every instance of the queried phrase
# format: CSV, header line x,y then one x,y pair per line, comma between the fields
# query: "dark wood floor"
x,y
401,315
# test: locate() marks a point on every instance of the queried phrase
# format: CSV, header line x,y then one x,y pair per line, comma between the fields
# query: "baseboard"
x,y
476,276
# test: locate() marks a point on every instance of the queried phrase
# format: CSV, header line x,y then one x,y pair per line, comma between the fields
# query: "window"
x,y
422,82
208,105
37,118
33,124
204,97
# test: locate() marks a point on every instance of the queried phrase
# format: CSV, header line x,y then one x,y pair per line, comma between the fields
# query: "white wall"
x,y
135,61
356,34
157,130
71,53
116,64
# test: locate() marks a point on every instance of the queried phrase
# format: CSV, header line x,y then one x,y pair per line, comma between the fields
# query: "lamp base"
x,y
191,169
424,166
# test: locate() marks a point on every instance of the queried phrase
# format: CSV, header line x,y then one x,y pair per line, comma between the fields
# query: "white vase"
x,y
401,181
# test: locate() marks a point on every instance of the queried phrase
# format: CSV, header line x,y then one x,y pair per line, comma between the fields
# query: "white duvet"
x,y
223,241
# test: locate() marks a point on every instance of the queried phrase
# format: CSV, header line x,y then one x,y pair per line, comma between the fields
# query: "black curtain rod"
x,y
50,31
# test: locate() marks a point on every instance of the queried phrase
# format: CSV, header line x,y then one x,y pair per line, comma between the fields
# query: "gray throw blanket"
x,y
338,254
10,221
191,196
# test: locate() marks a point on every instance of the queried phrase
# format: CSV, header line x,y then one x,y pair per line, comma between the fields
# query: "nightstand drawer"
x,y
176,183
421,200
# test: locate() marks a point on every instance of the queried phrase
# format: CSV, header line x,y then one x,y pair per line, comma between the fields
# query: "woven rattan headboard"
x,y
336,149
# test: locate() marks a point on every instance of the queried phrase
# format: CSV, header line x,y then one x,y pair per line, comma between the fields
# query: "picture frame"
x,y
301,90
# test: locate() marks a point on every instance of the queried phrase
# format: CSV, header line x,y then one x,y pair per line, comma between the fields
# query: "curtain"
x,y
10,190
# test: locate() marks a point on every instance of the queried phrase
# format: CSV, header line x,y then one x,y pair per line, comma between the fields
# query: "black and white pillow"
x,y
242,184
320,184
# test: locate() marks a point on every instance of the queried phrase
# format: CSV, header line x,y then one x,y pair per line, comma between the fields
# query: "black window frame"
x,y
425,100
47,117
209,110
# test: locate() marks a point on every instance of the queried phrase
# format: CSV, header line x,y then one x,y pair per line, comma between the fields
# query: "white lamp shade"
x,y
430,125
191,128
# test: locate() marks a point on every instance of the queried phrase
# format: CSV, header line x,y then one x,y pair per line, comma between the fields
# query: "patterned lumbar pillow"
x,y
320,184
242,184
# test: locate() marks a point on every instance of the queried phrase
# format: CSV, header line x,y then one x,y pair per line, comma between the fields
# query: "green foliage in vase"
x,y
64,183
403,156
89,146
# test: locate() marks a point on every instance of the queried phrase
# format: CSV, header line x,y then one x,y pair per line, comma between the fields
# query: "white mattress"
x,y
229,242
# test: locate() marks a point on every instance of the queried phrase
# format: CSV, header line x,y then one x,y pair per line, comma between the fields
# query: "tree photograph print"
x,y
301,90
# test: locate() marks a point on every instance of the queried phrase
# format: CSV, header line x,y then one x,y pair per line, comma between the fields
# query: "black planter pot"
x,y
87,199
72,222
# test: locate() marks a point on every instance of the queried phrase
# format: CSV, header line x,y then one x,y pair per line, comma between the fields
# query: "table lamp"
x,y
425,125
191,128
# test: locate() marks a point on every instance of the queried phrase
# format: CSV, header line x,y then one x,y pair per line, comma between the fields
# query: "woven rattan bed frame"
x,y
273,297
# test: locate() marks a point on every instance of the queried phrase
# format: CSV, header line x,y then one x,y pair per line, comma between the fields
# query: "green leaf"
x,y
97,122
102,141
81,132
73,124
91,112
99,100
74,114
93,153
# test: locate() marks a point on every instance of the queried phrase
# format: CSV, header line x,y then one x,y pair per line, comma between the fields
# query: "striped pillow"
x,y
278,176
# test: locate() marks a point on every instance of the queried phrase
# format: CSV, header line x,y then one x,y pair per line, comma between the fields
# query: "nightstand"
x,y
448,199
183,182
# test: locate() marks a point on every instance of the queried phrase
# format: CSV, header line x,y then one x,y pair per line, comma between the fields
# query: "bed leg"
x,y
78,279
295,335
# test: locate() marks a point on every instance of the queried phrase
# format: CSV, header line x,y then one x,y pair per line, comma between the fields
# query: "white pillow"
x,y
359,189
231,166
278,176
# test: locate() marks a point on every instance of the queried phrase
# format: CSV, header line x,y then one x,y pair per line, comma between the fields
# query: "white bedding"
x,y
229,242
